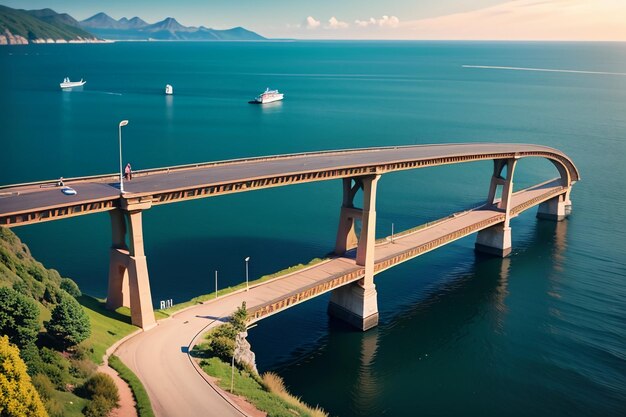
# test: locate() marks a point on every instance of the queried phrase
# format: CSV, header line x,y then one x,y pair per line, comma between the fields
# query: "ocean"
x,y
542,332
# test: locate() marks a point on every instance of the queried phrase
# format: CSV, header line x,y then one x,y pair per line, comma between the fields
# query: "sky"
x,y
593,20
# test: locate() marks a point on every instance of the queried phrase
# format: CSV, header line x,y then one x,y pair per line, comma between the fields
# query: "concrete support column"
x,y
118,294
129,283
357,303
141,311
557,208
346,235
496,240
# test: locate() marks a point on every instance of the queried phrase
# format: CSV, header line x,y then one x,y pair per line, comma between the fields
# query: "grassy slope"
x,y
21,23
246,386
107,327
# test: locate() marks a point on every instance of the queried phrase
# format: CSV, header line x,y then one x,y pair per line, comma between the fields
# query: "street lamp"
x,y
247,260
122,123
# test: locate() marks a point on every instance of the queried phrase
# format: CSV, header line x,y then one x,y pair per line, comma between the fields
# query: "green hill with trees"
x,y
39,26
59,340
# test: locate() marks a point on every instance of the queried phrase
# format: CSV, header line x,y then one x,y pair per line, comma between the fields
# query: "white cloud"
x,y
311,23
383,22
389,21
334,23
592,20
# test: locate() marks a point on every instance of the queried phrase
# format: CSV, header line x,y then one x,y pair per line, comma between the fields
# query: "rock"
x,y
243,351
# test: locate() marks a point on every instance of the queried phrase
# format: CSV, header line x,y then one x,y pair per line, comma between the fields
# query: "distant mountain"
x,y
40,26
169,29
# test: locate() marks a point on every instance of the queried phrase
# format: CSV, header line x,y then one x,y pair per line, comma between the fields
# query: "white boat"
x,y
69,84
269,96
169,90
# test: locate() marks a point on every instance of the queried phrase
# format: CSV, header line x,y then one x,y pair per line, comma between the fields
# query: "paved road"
x,y
20,199
158,357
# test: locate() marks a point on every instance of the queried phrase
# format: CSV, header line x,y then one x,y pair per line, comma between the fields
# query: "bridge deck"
x,y
43,201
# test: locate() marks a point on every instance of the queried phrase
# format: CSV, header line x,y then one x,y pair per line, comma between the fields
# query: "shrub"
x,y
101,385
69,324
19,317
222,347
82,368
19,397
239,319
98,407
55,407
70,287
44,386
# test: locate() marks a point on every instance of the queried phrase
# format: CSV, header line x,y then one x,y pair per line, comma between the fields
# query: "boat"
x,y
69,84
268,96
169,90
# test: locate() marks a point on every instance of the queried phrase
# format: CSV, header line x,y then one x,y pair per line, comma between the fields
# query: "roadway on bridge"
x,y
159,356
105,188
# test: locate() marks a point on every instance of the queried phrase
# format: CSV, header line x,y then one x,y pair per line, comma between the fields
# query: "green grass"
x,y
144,407
72,404
200,299
107,327
250,388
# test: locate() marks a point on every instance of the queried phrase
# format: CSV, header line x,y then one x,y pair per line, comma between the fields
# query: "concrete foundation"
x,y
355,305
556,209
495,240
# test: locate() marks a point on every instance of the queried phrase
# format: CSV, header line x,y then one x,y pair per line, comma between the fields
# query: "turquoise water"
x,y
540,333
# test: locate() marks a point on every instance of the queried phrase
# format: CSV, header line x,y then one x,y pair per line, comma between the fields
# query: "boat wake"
x,y
543,70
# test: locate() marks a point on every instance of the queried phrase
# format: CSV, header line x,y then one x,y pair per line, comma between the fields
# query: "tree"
x,y
19,396
69,324
19,317
70,287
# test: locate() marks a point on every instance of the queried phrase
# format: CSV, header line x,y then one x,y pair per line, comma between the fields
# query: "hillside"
x,y
29,296
168,29
39,26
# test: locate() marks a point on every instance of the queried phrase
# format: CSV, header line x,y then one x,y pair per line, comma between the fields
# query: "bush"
x,y
222,347
98,407
19,397
55,366
44,386
19,317
69,324
82,368
70,287
101,385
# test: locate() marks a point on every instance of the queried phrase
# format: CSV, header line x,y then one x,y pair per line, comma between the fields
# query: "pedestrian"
x,y
60,183
128,172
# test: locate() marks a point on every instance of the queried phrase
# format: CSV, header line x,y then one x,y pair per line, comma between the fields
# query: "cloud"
x,y
333,23
384,22
591,20
311,23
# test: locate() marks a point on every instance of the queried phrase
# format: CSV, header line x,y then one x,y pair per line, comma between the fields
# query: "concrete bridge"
x,y
349,275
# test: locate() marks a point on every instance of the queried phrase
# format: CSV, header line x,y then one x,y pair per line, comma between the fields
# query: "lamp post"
x,y
247,260
216,283
122,123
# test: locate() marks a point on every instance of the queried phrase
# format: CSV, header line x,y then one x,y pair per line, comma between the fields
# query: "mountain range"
x,y
47,26
106,27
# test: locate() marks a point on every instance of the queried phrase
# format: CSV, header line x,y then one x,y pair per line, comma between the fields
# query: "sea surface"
x,y
541,333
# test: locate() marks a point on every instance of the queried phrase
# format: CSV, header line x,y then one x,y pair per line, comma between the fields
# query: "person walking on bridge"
x,y
128,172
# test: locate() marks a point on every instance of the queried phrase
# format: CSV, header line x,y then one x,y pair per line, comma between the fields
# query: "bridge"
x,y
350,273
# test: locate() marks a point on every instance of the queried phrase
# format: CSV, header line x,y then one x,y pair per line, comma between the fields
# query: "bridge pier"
x,y
357,303
129,283
496,240
557,208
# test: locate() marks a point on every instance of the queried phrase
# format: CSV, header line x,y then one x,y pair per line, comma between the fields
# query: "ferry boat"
x,y
169,90
69,84
268,96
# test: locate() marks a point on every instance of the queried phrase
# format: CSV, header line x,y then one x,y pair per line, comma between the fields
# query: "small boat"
x,y
68,191
169,90
268,96
69,84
